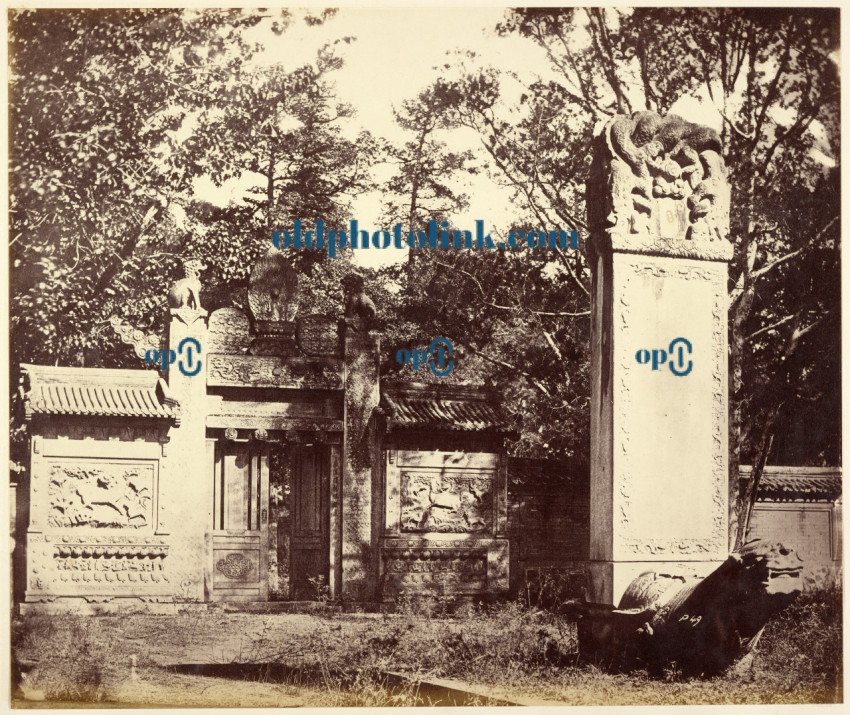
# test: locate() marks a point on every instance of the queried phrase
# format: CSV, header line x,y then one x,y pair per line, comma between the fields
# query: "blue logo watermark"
x,y
675,351
168,357
438,356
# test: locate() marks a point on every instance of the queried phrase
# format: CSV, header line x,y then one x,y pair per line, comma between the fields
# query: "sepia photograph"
x,y
423,355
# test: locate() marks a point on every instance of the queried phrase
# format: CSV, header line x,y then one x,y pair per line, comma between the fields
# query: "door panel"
x,y
240,529
310,523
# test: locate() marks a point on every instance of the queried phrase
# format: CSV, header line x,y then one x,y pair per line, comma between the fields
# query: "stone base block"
x,y
116,606
437,565
608,580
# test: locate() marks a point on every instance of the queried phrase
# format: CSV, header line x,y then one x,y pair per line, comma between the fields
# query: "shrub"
x,y
802,646
68,654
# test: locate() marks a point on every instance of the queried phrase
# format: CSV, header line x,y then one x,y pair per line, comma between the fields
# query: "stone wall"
x,y
812,528
444,523
96,532
549,527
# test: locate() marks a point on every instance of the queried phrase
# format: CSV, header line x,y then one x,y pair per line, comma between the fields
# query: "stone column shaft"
x,y
360,457
659,251
186,482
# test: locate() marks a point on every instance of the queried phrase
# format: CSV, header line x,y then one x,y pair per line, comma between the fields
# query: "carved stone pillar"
x,y
360,494
658,210
185,499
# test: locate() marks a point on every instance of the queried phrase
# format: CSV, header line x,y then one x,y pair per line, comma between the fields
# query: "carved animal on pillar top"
x,y
186,292
184,296
631,138
659,185
360,311
702,625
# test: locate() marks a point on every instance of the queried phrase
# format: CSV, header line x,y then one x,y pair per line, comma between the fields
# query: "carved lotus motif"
x,y
234,566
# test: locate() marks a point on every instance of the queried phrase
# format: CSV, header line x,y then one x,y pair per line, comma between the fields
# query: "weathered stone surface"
x,y
468,565
451,503
318,335
360,311
444,523
99,495
185,494
360,457
702,625
660,188
186,292
229,332
269,371
273,288
184,296
421,570
658,250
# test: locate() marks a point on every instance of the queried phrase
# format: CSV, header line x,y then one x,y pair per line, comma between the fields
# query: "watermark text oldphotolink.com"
x,y
436,235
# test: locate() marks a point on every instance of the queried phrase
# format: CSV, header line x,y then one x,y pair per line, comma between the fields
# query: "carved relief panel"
x,y
446,502
94,529
445,523
429,491
440,569
269,371
659,185
98,568
100,494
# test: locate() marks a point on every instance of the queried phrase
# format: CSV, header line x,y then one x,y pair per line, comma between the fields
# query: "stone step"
x,y
290,607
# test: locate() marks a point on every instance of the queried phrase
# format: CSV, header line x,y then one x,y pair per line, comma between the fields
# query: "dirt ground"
x,y
209,657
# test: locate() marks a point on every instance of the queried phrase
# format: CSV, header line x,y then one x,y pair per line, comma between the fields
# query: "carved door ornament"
x,y
235,566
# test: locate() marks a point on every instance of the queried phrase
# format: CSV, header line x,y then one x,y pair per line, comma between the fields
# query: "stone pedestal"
x,y
658,215
185,499
360,494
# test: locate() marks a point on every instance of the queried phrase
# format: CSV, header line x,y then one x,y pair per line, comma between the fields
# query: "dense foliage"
x,y
112,130
772,76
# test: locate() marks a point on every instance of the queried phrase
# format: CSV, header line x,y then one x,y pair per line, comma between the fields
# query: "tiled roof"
x,y
89,391
436,407
798,483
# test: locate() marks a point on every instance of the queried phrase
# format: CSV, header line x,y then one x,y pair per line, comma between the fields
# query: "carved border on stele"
x,y
713,545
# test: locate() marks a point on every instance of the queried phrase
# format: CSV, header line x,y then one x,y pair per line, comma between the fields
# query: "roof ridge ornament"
x,y
141,341
273,291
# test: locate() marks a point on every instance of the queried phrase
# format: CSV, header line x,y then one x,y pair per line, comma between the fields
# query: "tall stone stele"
x,y
658,214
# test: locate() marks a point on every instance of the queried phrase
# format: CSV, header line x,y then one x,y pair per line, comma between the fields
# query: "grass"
x,y
515,652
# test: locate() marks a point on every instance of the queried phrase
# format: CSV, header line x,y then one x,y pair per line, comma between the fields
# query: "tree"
x,y
110,131
421,187
772,76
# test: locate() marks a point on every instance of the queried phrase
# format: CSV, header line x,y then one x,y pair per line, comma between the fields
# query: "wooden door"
x,y
240,522
310,522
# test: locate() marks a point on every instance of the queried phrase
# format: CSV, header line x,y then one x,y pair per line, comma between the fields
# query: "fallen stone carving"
x,y
703,625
